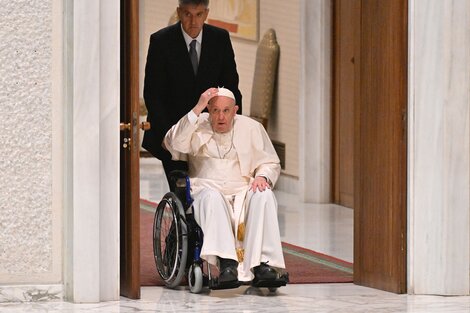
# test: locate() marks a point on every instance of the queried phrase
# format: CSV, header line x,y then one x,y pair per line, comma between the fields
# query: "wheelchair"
x,y
177,242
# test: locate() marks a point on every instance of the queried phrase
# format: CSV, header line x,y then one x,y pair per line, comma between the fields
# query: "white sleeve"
x,y
178,139
192,117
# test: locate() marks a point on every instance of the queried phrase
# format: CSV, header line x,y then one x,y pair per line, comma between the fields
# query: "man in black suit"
x,y
183,61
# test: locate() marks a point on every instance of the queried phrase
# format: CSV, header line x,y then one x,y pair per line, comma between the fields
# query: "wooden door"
x,y
380,147
129,165
346,36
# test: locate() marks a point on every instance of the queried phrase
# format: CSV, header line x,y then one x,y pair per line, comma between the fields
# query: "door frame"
x,y
88,36
315,121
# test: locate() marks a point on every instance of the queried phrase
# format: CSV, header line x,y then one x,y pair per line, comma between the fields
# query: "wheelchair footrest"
x,y
215,285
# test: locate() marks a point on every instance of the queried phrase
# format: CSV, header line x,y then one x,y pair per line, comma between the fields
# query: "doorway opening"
x,y
364,130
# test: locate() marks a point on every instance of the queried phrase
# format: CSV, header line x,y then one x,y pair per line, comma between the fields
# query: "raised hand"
x,y
204,100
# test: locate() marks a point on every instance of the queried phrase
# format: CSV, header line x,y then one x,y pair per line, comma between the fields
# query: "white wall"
x,y
31,193
438,155
59,195
30,198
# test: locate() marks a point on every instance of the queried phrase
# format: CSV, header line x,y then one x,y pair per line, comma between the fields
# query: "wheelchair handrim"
x,y
179,254
164,273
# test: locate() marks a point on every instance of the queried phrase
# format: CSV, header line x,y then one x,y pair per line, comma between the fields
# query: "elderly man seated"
x,y
233,167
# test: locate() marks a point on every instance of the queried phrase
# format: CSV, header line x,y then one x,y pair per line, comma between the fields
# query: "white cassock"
x,y
222,168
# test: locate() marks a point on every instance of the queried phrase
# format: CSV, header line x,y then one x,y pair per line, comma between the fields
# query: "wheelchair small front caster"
x,y
195,278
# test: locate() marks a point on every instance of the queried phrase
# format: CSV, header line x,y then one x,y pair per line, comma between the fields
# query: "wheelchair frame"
x,y
177,241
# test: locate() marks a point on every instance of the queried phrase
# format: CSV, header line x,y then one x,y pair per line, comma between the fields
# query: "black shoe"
x,y
267,276
228,271
264,272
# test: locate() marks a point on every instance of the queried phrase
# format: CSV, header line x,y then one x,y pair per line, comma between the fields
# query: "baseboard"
x,y
288,183
31,293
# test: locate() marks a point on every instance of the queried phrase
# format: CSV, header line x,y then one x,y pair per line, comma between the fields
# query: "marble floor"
x,y
331,298
323,228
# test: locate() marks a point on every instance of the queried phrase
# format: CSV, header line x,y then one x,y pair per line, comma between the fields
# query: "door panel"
x,y
346,39
129,180
380,147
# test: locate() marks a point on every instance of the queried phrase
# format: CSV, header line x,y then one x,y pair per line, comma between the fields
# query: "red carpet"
x,y
304,266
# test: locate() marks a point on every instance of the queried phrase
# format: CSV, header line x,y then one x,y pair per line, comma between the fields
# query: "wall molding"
x,y
31,293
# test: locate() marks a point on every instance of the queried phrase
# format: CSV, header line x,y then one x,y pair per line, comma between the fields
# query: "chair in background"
x,y
265,75
264,83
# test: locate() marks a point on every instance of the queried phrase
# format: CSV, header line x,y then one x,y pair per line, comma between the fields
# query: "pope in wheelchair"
x,y
229,202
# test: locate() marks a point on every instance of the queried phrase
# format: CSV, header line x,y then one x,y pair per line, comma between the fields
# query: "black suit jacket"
x,y
171,89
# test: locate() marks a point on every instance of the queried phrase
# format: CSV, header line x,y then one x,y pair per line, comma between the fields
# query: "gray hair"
x,y
194,2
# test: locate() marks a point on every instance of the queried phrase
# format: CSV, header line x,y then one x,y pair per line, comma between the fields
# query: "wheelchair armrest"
x,y
180,184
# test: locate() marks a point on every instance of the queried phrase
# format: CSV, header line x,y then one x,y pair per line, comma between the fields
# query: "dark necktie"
x,y
193,55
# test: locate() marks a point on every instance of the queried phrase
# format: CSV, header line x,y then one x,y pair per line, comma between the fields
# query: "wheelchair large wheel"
x,y
170,240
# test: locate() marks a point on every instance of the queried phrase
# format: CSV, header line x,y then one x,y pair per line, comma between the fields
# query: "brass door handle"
x,y
125,126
